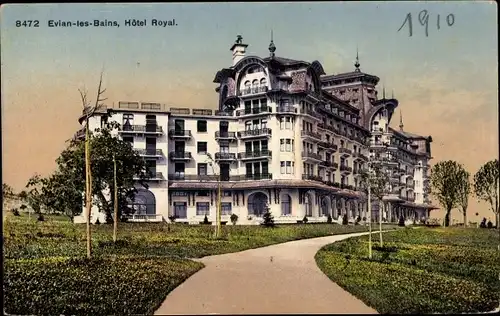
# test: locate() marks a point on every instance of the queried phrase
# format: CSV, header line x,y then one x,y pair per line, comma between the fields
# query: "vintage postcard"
x,y
247,158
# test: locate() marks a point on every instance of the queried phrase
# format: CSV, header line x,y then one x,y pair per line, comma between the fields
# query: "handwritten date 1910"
x,y
423,18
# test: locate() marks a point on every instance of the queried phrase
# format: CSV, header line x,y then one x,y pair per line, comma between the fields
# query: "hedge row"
x,y
414,273
111,286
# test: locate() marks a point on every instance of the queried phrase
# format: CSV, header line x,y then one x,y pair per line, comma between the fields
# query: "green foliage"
x,y
377,179
62,191
234,218
452,270
446,178
329,219
7,191
401,222
305,220
205,220
486,185
15,212
120,285
268,218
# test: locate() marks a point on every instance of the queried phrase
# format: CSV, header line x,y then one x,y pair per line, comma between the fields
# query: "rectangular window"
x,y
180,209
226,193
202,169
179,193
202,208
201,126
128,139
226,208
248,169
288,123
265,168
202,193
179,169
282,144
202,148
289,167
282,167
288,144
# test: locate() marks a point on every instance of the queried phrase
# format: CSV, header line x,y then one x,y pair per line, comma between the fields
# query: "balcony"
x,y
345,169
311,135
378,144
141,130
256,176
179,134
150,153
310,155
255,133
345,151
254,111
286,109
326,163
155,176
252,90
261,154
192,177
328,146
180,156
231,136
312,177
220,156
310,112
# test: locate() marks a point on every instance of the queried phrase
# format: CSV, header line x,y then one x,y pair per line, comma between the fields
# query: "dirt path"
x,y
277,279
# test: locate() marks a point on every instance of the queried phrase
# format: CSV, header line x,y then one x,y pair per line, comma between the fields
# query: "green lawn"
x,y
46,273
424,270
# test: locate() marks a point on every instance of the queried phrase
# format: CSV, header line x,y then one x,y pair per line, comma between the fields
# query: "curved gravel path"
x,y
282,278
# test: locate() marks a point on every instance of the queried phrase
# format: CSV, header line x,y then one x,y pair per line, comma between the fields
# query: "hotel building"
x,y
285,136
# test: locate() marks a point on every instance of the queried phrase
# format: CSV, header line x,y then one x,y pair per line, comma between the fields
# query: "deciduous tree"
x,y
464,190
486,183
446,178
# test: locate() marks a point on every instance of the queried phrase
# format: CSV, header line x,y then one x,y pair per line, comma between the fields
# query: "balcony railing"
x,y
344,150
179,155
225,156
179,133
202,112
254,111
345,168
192,177
142,129
224,113
310,134
255,176
309,112
155,176
307,154
255,154
326,163
312,177
284,108
150,152
145,218
255,133
328,146
225,135
253,90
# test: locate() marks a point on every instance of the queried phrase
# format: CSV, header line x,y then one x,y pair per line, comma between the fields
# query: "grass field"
x,y
424,270
46,271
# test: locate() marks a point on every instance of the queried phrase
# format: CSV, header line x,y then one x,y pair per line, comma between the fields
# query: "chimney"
x,y
238,49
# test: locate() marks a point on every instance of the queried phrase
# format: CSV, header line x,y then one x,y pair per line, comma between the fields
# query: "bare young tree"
x,y
464,190
88,111
486,186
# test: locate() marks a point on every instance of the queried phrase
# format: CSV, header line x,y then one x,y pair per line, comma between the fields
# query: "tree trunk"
x,y
447,218
381,211
465,218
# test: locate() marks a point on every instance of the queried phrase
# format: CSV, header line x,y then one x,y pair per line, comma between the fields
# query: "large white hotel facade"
x,y
285,135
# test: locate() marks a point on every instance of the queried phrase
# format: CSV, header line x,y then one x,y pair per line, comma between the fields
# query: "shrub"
x,y
15,212
205,220
268,219
358,220
490,224
401,221
40,218
305,220
364,219
344,220
172,218
483,223
234,218
329,219
98,222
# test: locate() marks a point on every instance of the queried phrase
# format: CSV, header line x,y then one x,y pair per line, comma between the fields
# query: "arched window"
x,y
286,205
308,204
144,202
247,87
263,84
255,85
257,204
